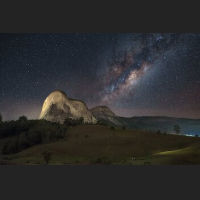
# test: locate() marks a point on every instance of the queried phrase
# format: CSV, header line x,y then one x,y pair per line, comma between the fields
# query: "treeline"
x,y
73,122
28,133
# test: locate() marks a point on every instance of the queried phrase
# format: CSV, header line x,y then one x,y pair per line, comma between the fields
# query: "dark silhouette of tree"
x,y
177,129
74,122
112,128
1,118
23,119
47,156
11,147
81,120
159,132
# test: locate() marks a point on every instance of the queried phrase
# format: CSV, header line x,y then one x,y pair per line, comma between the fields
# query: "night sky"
x,y
135,74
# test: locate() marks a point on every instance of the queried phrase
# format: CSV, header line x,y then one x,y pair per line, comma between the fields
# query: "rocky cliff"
x,y
57,107
104,113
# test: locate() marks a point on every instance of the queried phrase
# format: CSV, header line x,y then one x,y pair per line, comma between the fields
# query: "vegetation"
x,y
23,119
29,138
73,122
1,118
29,133
102,122
159,132
102,148
123,127
47,156
177,129
112,128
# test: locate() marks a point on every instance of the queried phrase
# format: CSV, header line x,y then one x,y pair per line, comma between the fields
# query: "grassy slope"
x,y
116,147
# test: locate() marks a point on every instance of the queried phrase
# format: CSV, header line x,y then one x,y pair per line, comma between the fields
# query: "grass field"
x,y
95,144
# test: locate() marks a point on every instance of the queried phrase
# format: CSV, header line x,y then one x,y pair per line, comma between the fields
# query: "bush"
x,y
102,161
112,128
73,122
24,142
102,123
159,132
123,127
11,147
47,156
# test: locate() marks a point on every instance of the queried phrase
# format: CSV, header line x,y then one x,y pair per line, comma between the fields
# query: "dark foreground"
x,y
99,145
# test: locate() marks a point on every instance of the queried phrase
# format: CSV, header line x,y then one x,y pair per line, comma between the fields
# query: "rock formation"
x,y
104,113
57,107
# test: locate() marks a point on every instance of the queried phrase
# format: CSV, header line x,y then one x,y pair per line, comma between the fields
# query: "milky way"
x,y
124,75
135,74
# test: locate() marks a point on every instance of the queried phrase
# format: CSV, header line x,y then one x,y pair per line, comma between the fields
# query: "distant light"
x,y
190,135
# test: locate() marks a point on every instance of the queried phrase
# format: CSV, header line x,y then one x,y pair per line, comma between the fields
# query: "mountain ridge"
x,y
58,106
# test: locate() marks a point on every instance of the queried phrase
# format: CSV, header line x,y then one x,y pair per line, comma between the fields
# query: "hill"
x,y
57,107
95,144
188,126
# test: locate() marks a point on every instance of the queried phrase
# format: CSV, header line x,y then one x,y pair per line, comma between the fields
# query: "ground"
x,y
95,144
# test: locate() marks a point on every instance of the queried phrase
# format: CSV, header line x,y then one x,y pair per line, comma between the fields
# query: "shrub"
x,y
159,132
11,147
112,128
102,161
47,156
102,123
123,127
24,142
73,122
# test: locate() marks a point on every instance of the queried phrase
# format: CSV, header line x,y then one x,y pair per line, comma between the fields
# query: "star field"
x,y
135,74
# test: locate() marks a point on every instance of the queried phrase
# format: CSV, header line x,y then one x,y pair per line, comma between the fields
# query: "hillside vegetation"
x,y
96,144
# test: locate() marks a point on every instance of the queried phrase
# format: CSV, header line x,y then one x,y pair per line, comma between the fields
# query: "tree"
x,y
177,129
23,119
11,147
81,120
47,156
159,132
123,127
112,128
1,118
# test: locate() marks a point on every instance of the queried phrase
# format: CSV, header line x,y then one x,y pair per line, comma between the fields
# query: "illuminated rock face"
x,y
104,113
57,107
